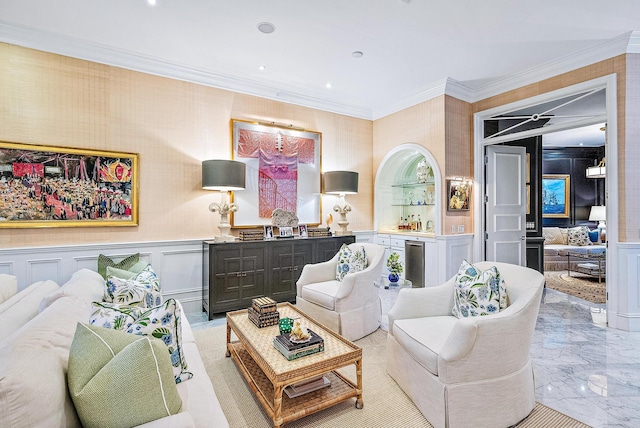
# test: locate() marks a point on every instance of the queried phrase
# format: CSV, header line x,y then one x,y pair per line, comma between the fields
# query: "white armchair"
x,y
350,307
471,371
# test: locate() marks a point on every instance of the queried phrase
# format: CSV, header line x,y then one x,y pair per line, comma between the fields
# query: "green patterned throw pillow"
x,y
350,261
127,273
120,380
126,263
163,322
478,292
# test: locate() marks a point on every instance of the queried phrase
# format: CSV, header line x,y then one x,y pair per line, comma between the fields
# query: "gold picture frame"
x,y
459,194
283,171
48,186
556,195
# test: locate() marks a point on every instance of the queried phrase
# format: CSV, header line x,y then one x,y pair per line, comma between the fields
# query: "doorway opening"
x,y
577,106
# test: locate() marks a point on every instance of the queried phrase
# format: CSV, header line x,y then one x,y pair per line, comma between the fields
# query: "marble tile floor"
x,y
582,368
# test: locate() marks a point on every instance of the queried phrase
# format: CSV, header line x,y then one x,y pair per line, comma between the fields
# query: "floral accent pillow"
x,y
163,322
350,261
579,236
477,292
142,290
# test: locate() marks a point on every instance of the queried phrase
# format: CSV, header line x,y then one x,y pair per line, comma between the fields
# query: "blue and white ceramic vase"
x,y
393,277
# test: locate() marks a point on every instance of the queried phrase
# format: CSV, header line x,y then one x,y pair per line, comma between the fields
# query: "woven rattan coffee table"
x,y
268,372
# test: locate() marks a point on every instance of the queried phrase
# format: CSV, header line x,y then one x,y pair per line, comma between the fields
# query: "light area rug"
x,y
385,404
583,286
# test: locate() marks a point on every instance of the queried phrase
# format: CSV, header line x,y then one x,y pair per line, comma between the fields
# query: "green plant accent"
x,y
394,264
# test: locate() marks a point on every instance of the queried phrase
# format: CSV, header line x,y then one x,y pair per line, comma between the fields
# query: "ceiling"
x,y
412,49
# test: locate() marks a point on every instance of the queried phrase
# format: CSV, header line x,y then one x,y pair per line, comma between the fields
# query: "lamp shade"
x,y
597,172
340,182
222,174
598,213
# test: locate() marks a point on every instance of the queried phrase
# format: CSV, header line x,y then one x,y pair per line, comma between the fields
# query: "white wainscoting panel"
x,y
177,263
626,313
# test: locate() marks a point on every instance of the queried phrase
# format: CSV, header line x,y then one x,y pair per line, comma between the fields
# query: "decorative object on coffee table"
x,y
263,312
285,325
292,348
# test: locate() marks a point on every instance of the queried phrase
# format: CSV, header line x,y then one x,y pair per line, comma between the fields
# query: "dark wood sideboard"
x,y
236,272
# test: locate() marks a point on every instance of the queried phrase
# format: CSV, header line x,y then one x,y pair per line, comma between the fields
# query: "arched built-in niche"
x,y
396,176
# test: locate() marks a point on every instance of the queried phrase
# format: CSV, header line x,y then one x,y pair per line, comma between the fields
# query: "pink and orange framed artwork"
x,y
46,186
283,171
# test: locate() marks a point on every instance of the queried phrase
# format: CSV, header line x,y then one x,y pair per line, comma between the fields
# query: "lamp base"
x,y
225,235
343,233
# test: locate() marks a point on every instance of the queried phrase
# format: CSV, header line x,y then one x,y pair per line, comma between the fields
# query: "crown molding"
x,y
81,49
581,58
634,42
445,86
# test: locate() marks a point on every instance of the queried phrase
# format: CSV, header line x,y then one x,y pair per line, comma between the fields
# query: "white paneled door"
x,y
505,204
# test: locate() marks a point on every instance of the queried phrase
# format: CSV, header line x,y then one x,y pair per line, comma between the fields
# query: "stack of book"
x,y
316,232
292,350
252,235
263,312
307,385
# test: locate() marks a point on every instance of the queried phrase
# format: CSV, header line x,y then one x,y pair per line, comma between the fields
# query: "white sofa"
x,y
33,360
467,372
556,247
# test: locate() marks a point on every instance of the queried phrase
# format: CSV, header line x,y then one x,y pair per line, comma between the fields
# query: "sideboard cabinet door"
x,y
326,248
287,258
236,275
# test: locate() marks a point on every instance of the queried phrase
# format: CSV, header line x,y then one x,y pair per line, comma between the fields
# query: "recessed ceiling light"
x,y
328,85
266,27
151,2
357,54
261,67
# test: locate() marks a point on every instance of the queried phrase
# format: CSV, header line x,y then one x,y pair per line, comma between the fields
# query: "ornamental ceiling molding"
x,y
81,49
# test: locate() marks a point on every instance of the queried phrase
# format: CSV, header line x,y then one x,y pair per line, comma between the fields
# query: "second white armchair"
x,y
350,307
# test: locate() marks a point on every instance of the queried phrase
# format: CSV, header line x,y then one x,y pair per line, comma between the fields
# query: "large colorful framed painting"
x,y
283,171
556,193
45,186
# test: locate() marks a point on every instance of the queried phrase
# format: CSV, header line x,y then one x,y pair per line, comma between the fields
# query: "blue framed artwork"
x,y
556,194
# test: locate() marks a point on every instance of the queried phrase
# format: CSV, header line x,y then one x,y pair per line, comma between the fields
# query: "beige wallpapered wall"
x,y
54,100
174,125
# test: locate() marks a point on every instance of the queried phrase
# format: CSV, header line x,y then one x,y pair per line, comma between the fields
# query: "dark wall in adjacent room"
x,y
585,192
533,146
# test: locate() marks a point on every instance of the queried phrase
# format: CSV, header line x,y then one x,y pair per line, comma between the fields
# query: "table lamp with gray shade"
x,y
225,176
341,183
